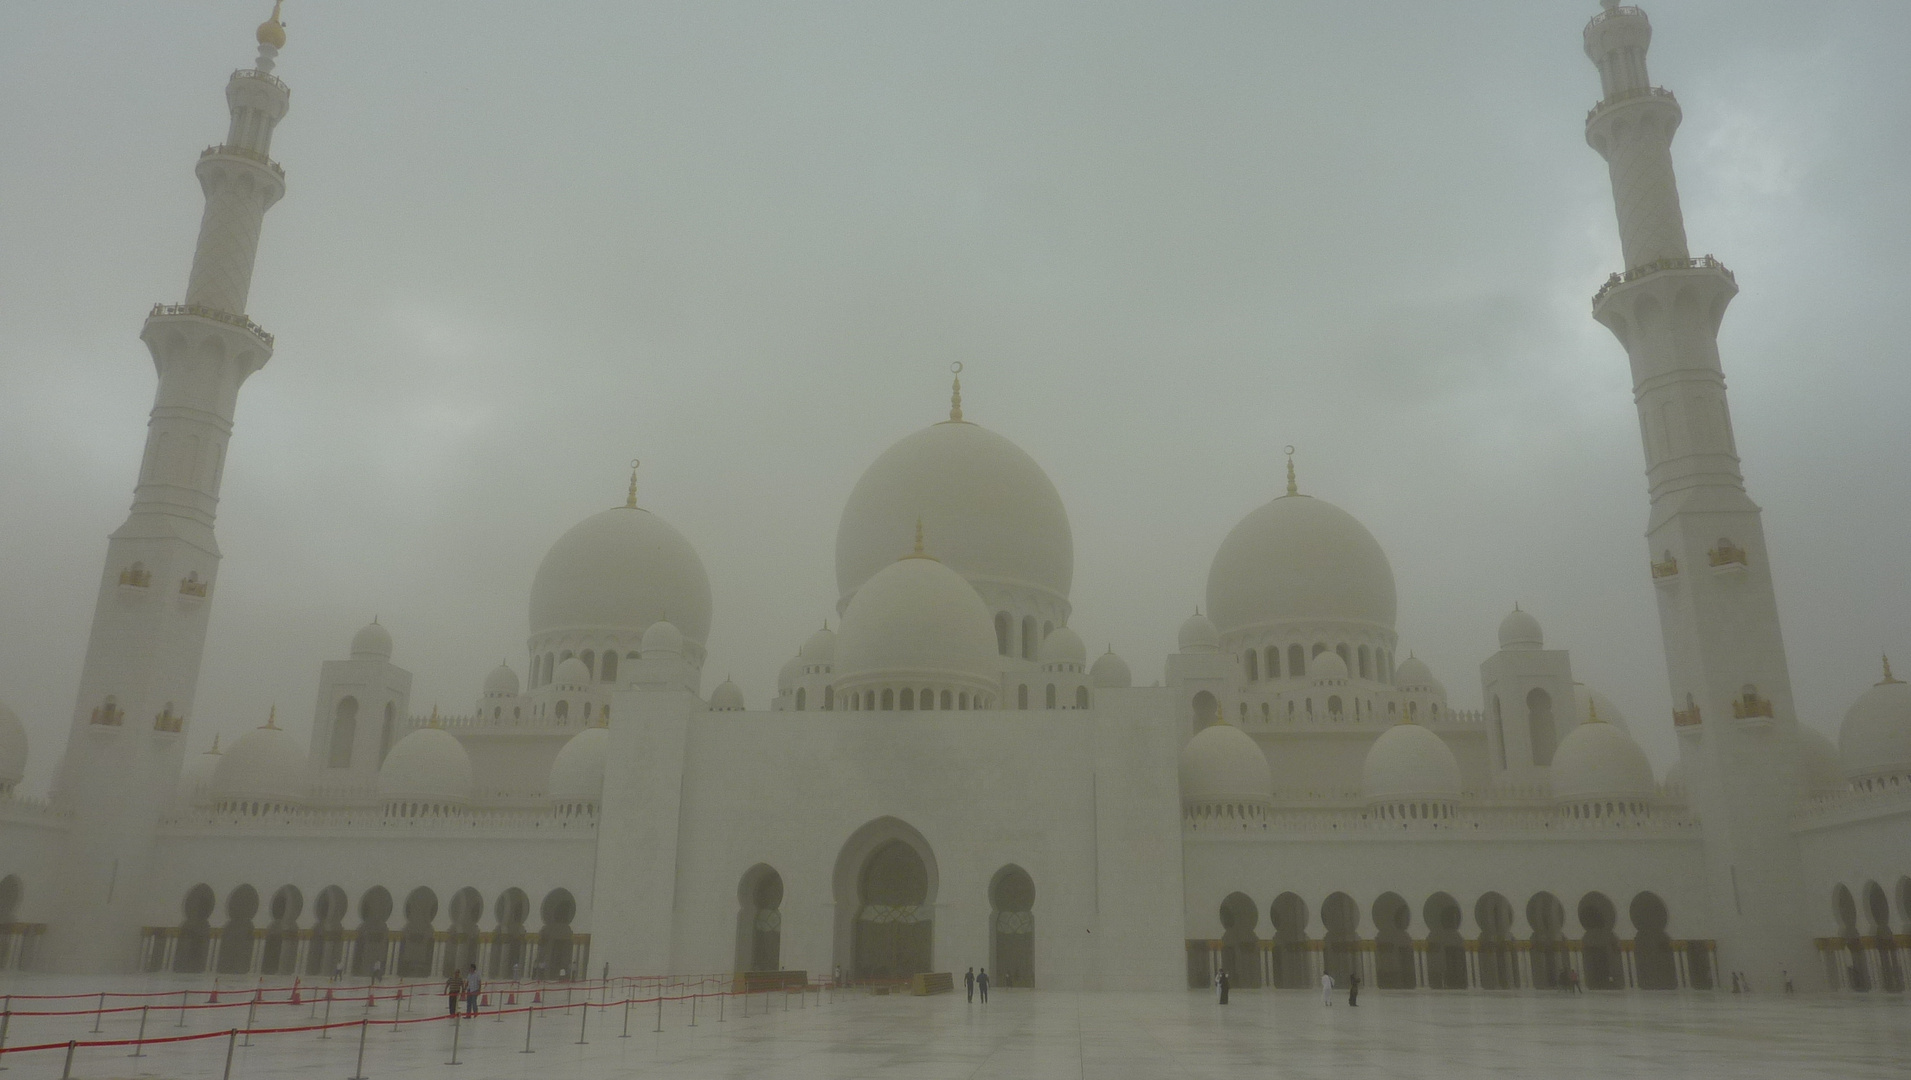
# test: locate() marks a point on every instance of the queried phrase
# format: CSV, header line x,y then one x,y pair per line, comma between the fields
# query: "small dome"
x,y
1875,739
1222,763
1110,671
1197,635
577,773
13,748
1519,630
502,682
993,514
662,639
1063,646
727,697
1589,703
1413,674
792,671
1328,666
1300,558
1409,762
1599,760
820,649
572,675
917,618
617,572
195,778
1819,772
429,764
266,763
371,643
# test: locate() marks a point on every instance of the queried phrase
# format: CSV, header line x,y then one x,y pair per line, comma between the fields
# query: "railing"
x,y
1614,13
1703,262
263,76
1633,94
227,317
228,150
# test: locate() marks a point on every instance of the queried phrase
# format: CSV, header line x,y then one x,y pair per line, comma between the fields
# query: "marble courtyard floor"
x,y
1033,1034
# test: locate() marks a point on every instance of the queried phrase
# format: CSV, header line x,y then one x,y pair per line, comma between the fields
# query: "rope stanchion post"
x,y
358,1072
693,1007
6,1021
529,1012
625,1035
325,1025
182,1009
98,1012
139,1041
455,1024
251,1011
581,1021
231,1038
660,1010
721,994
66,1071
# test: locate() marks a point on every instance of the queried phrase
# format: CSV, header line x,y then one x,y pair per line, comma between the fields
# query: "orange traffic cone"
x,y
295,992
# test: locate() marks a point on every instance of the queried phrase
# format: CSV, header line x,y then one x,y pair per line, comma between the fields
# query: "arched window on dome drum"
x,y
563,710
1366,660
1333,705
1296,662
801,697
1267,712
497,712
1021,696
609,672
1029,640
829,698
589,656
907,699
1004,629
344,730
1413,710
1251,666
1051,695
1081,697
1243,712
517,712
1273,666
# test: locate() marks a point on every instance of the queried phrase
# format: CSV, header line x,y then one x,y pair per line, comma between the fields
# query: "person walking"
x,y
982,984
1221,980
472,984
1326,988
1353,989
968,982
454,985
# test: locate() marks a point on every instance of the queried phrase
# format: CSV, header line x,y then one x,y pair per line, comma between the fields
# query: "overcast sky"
x,y
524,243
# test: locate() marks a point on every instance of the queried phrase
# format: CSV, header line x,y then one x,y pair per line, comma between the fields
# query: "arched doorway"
x,y
195,929
235,938
1651,945
327,952
1393,945
1494,913
507,941
1599,948
885,884
280,953
1293,969
465,909
760,920
1878,906
1012,928
1446,949
554,937
374,913
1341,917
1547,916
1240,946
420,937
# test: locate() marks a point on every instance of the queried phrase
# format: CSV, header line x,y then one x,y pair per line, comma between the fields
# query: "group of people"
x,y
975,981
1223,983
466,983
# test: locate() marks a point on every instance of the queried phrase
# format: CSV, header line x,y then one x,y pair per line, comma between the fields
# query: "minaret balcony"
x,y
163,311
1637,93
254,156
265,77
1645,270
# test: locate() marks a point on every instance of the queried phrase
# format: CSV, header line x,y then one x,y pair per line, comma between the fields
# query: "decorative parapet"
x,y
202,312
1704,262
1727,555
265,77
229,150
109,714
1614,13
169,721
136,576
1688,716
1634,94
1748,705
190,585
1667,569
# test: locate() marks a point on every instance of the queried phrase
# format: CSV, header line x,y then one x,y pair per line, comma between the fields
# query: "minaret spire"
x,y
1717,611
149,622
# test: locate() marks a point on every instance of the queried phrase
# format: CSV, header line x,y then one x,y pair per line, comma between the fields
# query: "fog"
x,y
523,244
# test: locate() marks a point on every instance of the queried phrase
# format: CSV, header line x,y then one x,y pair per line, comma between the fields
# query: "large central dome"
x,y
991,510
1299,558
620,571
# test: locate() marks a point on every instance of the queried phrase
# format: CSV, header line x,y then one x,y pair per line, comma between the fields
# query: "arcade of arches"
x,y
1288,954
418,937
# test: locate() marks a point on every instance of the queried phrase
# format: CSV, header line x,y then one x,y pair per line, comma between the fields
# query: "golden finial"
x,y
920,552
1291,489
955,395
630,500
1887,672
272,31
271,719
434,715
1592,710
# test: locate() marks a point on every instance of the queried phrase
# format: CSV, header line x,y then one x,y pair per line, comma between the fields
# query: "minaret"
x,y
1708,563
126,745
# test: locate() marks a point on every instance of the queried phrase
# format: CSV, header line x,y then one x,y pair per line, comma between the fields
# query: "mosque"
x,y
948,776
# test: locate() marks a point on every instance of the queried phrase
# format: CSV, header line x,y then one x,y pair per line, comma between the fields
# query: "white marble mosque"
x,y
948,774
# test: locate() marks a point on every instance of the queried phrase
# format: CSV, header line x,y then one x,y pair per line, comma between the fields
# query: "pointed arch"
x,y
886,881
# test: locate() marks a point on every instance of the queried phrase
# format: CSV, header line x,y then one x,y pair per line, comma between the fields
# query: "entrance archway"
x,y
1651,946
1293,970
760,920
1240,945
1446,948
1393,945
1599,947
1012,927
885,884
1547,916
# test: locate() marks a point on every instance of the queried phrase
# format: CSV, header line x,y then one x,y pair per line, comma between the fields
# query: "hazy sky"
x,y
524,243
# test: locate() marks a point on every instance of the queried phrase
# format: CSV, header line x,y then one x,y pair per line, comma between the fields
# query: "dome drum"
x,y
1369,650
946,691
